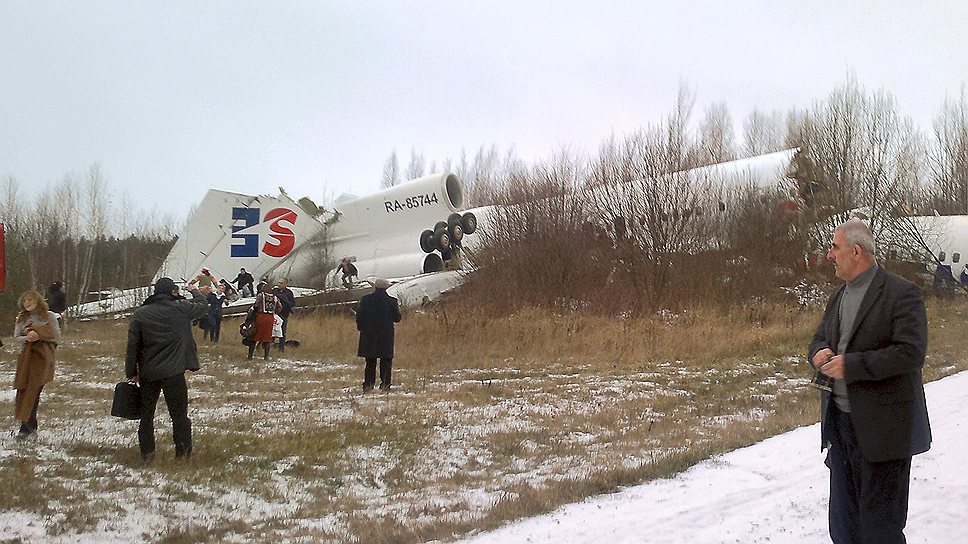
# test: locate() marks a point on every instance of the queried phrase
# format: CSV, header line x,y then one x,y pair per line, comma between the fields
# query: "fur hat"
x,y
164,285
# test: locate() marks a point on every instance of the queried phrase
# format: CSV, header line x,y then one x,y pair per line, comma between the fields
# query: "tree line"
x,y
626,229
74,232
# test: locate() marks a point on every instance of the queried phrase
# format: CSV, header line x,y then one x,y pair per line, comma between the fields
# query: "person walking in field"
x,y
375,316
37,332
161,349
57,301
266,306
287,301
871,343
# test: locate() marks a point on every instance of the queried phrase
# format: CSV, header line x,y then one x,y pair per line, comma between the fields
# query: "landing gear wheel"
x,y
468,223
441,239
427,241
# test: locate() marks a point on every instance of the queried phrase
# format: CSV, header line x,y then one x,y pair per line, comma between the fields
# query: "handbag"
x,y
247,329
127,401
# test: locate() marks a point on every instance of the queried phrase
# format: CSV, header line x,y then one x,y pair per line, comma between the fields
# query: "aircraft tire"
x,y
456,233
427,241
440,225
441,239
468,223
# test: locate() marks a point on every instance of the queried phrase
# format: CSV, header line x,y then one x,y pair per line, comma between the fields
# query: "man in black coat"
x,y
244,280
375,317
871,342
160,349
288,300
57,301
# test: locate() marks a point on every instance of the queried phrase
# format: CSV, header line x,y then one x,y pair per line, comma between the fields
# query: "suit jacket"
x,y
883,362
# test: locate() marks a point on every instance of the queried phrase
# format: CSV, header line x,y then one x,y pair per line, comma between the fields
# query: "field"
x,y
489,420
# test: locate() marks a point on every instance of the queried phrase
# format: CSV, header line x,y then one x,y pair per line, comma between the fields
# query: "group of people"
x,y
869,347
270,314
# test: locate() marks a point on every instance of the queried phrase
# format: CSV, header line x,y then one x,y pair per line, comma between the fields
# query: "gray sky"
x,y
179,97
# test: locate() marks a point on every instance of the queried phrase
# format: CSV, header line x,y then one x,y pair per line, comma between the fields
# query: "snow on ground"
x,y
774,491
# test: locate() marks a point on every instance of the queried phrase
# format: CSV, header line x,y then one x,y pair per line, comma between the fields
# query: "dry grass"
x,y
491,420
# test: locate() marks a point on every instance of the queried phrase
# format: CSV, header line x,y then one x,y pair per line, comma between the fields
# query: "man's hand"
x,y
32,336
821,357
834,367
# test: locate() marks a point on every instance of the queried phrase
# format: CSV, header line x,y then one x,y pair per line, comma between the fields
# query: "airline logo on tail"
x,y
281,238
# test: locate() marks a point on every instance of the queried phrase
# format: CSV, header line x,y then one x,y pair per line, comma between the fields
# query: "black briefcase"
x,y
127,401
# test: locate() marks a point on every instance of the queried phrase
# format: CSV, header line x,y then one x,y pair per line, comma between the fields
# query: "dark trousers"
x,y
215,331
265,349
868,501
30,425
369,372
176,397
282,339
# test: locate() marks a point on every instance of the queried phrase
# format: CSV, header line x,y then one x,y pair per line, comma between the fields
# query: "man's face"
x,y
846,257
282,284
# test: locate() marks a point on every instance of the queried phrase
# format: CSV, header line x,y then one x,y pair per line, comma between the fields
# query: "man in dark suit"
x,y
871,342
375,317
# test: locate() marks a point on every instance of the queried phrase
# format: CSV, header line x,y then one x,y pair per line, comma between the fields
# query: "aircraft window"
x,y
955,257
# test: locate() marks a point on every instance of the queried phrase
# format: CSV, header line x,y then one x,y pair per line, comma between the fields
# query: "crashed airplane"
x,y
415,234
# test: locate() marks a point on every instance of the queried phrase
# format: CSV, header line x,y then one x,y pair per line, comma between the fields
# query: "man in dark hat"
x,y
160,349
375,317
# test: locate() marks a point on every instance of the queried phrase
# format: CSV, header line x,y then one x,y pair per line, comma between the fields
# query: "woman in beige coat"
x,y
37,331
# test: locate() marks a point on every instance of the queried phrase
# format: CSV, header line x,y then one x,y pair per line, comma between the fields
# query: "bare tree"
x,y
391,172
762,133
417,166
716,141
95,213
949,159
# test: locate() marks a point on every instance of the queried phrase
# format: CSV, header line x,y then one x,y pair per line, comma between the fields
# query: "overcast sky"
x,y
174,98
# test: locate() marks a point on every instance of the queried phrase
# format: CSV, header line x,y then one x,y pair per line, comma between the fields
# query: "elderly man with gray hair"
x,y
375,317
871,343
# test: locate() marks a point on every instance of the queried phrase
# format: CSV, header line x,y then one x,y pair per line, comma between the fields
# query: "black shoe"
x,y
384,387
24,435
367,388
147,458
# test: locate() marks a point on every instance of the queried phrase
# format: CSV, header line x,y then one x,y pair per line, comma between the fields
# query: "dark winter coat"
x,y
375,317
287,301
243,279
215,303
56,301
160,341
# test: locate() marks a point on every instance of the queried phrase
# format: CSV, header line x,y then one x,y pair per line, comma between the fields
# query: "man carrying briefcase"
x,y
160,349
